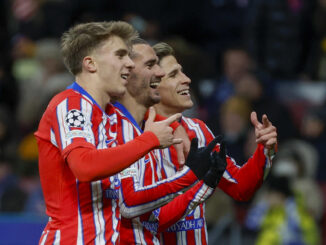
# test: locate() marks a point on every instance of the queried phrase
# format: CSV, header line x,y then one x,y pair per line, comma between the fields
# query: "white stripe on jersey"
x,y
158,155
99,221
152,167
102,135
195,127
44,238
138,231
114,219
87,110
52,135
80,235
63,128
197,232
57,238
168,166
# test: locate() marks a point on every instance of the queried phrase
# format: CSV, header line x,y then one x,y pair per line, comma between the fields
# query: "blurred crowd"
x,y
242,55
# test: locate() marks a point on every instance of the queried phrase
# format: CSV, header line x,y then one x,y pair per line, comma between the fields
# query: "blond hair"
x,y
80,40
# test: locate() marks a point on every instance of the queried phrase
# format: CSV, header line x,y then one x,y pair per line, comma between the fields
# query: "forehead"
x,y
113,44
143,52
169,63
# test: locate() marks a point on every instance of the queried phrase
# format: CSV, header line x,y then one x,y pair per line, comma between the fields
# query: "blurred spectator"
x,y
284,212
8,181
318,58
279,34
313,130
8,132
280,217
221,26
236,63
251,87
234,123
48,77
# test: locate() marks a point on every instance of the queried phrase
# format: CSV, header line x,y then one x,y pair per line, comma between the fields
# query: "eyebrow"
x,y
175,70
121,52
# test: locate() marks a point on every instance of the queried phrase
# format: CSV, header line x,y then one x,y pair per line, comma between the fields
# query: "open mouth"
x,y
154,84
184,92
124,76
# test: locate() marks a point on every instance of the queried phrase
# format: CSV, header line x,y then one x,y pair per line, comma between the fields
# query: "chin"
x,y
118,94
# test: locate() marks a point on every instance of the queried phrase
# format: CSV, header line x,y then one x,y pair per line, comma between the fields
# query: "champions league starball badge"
x,y
75,119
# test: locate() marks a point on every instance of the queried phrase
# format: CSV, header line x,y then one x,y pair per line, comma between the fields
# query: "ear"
x,y
89,64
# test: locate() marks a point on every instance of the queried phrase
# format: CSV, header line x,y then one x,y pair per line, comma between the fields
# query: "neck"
x,y
93,88
135,109
165,111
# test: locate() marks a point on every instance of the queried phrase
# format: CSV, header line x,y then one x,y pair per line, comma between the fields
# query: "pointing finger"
x,y
265,120
172,118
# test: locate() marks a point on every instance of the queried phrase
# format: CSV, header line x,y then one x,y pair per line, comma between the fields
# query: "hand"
x,y
218,166
161,129
183,148
265,132
199,159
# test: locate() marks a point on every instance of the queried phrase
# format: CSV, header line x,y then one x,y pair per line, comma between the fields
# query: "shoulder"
x,y
193,123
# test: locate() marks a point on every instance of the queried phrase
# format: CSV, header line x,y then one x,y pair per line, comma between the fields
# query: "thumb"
x,y
254,120
151,114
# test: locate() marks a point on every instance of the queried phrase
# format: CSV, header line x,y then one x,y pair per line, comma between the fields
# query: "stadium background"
x,y
242,55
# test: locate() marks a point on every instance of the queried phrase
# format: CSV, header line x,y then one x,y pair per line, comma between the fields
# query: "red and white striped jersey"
x,y
80,212
142,187
238,182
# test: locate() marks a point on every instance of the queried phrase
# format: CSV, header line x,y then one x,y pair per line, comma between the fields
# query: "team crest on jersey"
x,y
75,119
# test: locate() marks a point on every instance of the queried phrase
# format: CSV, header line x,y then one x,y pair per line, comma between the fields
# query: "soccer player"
x,y
77,137
238,182
144,179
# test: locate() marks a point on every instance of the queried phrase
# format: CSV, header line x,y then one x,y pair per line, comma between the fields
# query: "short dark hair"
x,y
162,50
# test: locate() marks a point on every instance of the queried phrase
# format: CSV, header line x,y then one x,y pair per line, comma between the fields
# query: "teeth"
x,y
184,92
154,84
124,76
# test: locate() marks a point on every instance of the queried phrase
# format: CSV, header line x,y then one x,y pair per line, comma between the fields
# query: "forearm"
x,y
242,182
88,163
182,205
136,200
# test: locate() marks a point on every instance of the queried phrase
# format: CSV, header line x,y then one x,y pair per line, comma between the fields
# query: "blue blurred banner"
x,y
21,229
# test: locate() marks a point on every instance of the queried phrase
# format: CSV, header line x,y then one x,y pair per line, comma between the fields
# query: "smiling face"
x,y
146,76
113,66
174,88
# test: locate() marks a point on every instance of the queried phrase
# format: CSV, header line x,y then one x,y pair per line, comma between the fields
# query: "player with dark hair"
x,y
238,182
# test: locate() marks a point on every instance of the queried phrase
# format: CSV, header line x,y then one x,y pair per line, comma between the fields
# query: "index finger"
x,y
172,118
266,122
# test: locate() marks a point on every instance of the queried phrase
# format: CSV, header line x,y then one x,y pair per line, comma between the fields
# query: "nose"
x,y
159,72
185,79
129,63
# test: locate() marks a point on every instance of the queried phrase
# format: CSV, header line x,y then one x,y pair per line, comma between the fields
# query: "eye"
x,y
173,75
